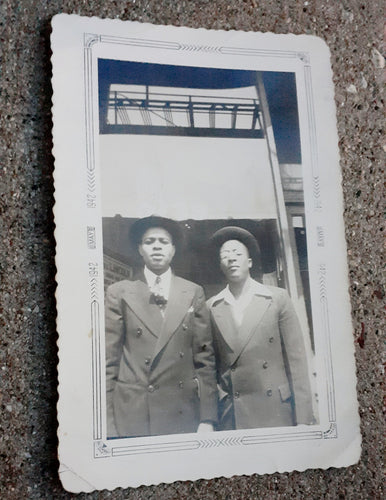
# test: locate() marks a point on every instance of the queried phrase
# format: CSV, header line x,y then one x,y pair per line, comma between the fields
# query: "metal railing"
x,y
182,114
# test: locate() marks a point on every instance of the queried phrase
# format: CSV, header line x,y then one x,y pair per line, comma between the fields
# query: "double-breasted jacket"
x,y
262,367
160,371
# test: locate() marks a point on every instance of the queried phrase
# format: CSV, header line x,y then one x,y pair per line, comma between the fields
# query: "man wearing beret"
x,y
261,359
160,365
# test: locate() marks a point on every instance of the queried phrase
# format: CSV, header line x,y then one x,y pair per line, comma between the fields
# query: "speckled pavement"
x,y
28,353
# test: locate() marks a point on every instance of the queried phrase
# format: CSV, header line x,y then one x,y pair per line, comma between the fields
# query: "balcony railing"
x,y
182,114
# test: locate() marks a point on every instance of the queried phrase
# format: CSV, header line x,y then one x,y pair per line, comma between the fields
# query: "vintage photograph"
x,y
203,314
208,317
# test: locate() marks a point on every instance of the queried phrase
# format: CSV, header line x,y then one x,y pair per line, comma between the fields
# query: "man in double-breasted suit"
x,y
261,360
160,365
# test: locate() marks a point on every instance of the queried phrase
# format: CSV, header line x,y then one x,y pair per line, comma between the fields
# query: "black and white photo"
x,y
203,312
222,117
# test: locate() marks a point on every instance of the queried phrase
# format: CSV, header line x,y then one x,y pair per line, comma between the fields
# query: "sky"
x,y
280,89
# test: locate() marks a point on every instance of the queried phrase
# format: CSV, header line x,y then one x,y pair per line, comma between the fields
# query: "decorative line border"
x,y
313,136
89,40
103,449
160,44
96,350
96,368
327,337
137,42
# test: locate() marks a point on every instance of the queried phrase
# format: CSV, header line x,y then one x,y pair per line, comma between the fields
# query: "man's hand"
x,y
205,427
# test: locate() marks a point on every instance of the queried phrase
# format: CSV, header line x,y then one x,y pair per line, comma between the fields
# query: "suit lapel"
x,y
138,299
180,299
223,317
252,317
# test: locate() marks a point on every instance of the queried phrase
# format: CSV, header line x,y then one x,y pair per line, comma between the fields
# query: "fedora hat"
x,y
140,226
237,233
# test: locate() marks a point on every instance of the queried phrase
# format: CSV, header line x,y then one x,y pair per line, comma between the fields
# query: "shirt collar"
x,y
151,277
254,288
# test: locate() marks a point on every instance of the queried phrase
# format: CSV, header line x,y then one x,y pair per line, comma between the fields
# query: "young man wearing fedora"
x,y
261,360
160,365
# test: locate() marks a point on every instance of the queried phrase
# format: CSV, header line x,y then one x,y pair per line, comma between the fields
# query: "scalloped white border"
x,y
76,42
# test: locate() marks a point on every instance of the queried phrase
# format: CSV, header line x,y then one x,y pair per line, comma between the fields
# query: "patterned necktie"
x,y
159,294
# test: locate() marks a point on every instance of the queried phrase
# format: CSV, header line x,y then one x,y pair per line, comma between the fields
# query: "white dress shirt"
x,y
240,304
163,285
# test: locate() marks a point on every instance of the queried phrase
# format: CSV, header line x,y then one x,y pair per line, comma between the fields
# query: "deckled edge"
x,y
317,41
57,263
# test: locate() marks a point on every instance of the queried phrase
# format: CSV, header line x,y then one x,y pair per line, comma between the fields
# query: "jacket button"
x,y
184,327
180,384
182,354
265,364
151,388
139,332
270,340
269,392
147,361
236,395
233,369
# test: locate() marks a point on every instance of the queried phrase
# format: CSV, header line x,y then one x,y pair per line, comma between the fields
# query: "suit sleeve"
x,y
204,359
114,340
296,359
